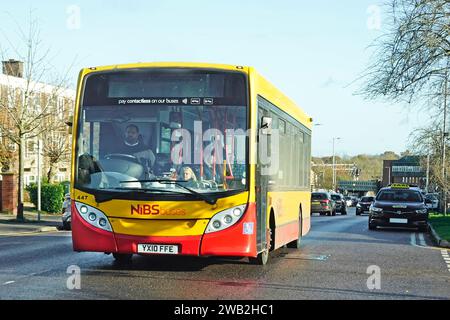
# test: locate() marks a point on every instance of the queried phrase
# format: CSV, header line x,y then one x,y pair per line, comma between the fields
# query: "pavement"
x,y
9,225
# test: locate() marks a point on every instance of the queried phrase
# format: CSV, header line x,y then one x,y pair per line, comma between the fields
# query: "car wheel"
x,y
344,213
423,229
358,213
372,226
333,213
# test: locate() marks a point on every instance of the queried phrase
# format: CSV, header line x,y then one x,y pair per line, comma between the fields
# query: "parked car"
x,y
433,197
66,213
364,205
399,206
341,206
322,203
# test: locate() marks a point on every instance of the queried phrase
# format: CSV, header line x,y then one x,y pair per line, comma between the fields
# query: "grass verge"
x,y
441,224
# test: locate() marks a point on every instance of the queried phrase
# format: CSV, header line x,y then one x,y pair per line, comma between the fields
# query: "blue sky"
x,y
311,50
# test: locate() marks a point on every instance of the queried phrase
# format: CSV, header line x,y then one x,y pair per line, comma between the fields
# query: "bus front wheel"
x,y
261,258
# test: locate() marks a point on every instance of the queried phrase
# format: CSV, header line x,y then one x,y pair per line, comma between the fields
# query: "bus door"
x,y
262,183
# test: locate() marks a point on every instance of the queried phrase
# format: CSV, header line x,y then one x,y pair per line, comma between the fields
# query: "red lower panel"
x,y
286,233
188,245
233,241
88,238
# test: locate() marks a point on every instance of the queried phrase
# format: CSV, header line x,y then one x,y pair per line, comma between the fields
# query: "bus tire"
x,y
261,259
122,257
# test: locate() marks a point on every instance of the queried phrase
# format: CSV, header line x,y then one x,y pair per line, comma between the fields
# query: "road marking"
x,y
422,240
8,282
413,239
446,258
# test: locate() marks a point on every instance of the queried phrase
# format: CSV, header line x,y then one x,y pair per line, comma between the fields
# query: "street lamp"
x,y
334,164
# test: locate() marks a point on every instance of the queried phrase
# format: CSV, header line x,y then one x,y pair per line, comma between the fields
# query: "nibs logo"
x,y
145,209
155,209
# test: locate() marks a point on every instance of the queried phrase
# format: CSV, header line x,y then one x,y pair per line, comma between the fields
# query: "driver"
x,y
133,145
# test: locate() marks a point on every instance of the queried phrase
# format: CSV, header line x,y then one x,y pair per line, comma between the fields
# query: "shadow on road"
x,y
173,263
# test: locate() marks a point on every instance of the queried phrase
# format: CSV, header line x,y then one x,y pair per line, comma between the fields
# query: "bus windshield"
x,y
139,129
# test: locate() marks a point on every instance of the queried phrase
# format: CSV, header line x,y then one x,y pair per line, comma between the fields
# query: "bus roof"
x,y
263,86
271,93
166,65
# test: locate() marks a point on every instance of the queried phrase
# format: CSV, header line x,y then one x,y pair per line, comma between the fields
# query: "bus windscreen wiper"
x,y
179,183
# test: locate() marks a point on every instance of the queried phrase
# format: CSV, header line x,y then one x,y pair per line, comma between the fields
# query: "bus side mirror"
x,y
266,125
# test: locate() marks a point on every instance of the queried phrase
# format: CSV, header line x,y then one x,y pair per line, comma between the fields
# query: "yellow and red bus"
x,y
188,159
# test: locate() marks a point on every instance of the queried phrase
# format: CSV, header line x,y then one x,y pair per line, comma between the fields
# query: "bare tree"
x,y
56,147
412,59
29,100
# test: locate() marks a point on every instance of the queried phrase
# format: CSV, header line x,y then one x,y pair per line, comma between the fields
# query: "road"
x,y
332,264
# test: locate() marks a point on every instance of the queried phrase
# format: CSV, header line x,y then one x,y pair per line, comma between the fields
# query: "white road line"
x,y
413,239
446,258
422,240
8,282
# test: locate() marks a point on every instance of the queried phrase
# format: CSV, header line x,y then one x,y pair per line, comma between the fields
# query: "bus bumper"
x,y
238,240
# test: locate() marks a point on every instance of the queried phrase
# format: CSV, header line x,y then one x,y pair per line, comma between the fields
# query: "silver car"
x,y
433,197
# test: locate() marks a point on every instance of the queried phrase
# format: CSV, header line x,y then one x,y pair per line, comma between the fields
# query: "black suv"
x,y
341,206
364,205
399,205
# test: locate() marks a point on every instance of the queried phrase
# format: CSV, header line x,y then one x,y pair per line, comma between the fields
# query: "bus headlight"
x,y
225,219
84,209
93,216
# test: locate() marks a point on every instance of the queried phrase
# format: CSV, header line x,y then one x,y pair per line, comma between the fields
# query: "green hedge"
x,y
52,196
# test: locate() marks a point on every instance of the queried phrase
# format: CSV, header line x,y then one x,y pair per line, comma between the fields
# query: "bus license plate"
x,y
392,220
158,248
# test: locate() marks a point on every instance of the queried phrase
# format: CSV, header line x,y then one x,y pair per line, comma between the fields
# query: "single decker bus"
x,y
187,159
